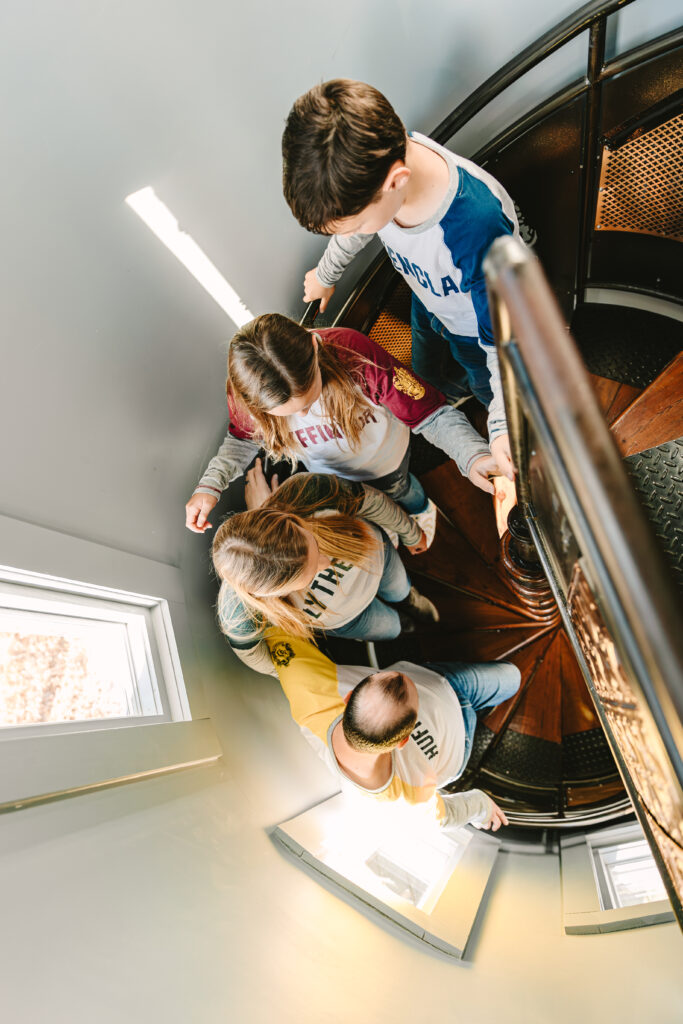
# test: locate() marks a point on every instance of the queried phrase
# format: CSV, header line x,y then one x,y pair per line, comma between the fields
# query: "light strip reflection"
x,y
161,221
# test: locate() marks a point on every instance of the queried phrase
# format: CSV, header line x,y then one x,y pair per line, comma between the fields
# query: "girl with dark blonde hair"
x,y
338,402
314,557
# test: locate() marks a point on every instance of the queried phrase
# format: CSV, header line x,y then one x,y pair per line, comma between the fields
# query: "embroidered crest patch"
x,y
405,381
282,654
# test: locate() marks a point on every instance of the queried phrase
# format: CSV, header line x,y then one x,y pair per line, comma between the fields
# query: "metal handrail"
x,y
545,382
555,38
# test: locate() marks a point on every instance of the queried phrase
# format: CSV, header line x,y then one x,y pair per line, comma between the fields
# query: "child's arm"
x,y
245,636
451,431
382,510
319,283
229,462
496,421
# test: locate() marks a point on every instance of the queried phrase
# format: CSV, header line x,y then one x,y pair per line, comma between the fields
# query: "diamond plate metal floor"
x,y
628,345
657,475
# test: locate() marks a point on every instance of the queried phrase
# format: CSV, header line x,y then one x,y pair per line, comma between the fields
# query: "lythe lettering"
x,y
317,585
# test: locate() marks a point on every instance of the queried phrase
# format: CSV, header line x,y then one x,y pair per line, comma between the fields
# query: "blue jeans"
x,y
379,621
403,487
440,363
478,686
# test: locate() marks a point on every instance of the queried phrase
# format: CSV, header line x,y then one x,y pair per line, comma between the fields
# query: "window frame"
x,y
629,836
148,616
583,891
35,768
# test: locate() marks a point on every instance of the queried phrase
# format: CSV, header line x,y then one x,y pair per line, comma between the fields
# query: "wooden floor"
x,y
484,619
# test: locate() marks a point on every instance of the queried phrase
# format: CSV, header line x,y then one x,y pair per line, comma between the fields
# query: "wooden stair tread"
x,y
613,398
464,611
467,508
452,560
624,397
527,659
539,712
482,646
656,416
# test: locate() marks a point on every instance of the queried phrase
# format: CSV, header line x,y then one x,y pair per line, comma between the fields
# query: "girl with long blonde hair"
x,y
314,557
338,402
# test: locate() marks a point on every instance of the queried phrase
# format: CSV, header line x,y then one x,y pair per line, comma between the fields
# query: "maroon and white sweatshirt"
x,y
398,401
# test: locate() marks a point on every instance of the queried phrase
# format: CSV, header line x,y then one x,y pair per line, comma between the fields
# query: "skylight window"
x,y
626,874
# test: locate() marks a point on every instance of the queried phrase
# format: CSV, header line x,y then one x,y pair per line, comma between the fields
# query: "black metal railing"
x,y
591,18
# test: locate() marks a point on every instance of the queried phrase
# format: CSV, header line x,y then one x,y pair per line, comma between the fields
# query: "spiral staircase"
x,y
543,754
594,732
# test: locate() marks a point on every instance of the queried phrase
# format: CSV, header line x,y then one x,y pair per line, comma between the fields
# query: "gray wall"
x,y
165,900
113,357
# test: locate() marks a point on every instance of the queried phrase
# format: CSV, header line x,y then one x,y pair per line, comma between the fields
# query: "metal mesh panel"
x,y
657,475
391,329
641,184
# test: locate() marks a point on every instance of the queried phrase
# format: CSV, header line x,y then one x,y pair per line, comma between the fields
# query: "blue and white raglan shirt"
x,y
441,259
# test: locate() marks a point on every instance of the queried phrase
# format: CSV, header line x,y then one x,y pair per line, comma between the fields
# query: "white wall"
x,y
165,900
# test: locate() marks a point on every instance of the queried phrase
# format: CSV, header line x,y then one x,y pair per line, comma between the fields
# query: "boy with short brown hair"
x,y
351,171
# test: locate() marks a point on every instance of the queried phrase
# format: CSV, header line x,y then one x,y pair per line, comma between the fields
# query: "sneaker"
x,y
427,521
420,608
407,622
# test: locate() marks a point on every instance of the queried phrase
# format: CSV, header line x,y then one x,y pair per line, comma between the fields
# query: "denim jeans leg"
x,y
394,585
376,622
472,357
477,686
405,489
408,492
431,357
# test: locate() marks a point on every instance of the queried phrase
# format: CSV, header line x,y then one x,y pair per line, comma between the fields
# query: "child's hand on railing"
x,y
481,470
500,449
313,290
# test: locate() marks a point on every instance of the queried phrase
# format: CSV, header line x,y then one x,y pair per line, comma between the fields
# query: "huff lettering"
x,y
424,740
